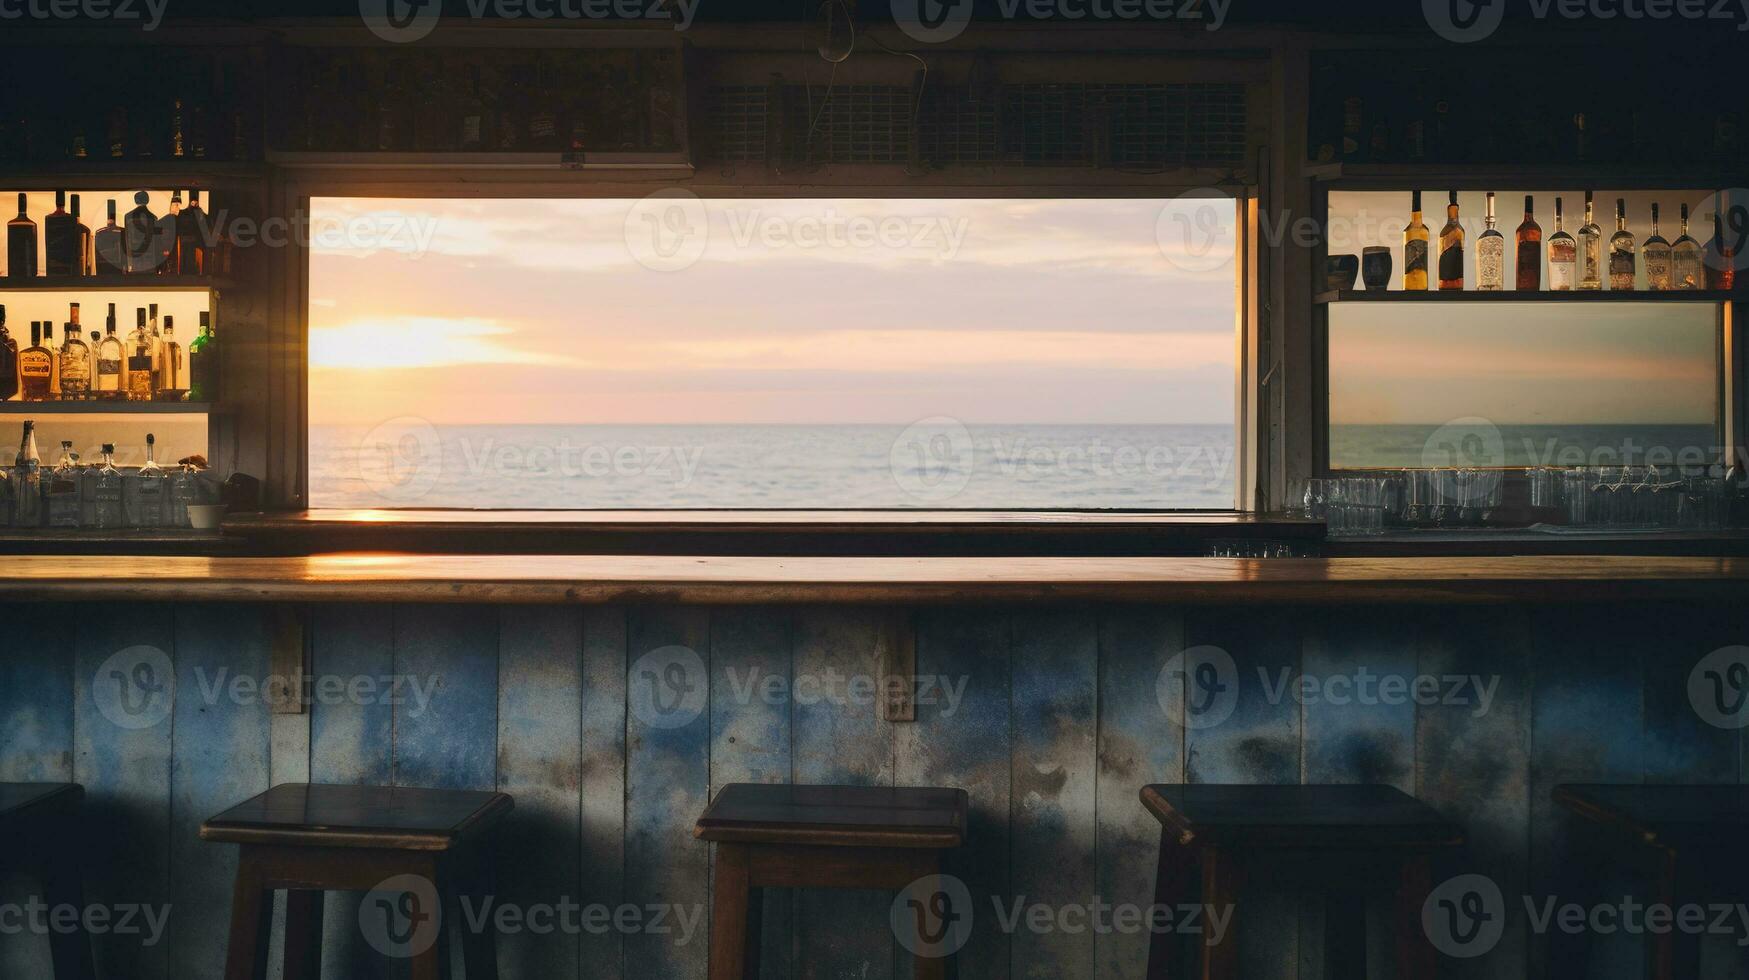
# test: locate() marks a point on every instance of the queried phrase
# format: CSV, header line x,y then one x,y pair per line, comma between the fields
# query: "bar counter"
x,y
601,579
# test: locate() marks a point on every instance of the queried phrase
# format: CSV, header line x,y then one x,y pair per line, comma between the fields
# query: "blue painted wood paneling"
x,y
969,745
1055,766
1139,743
839,744
750,737
540,690
124,671
352,741
667,786
220,756
602,755
1059,722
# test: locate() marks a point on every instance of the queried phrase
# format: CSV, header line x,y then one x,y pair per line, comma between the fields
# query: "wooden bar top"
x,y
510,579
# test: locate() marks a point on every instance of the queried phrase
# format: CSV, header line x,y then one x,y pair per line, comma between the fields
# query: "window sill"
x,y
800,533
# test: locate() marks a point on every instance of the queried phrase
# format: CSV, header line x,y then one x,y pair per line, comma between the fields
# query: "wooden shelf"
x,y
119,284
1512,296
1520,177
108,408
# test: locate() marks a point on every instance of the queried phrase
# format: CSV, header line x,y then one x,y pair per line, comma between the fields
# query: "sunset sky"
x,y
571,312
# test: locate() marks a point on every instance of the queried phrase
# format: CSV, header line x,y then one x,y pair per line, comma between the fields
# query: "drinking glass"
x,y
1375,267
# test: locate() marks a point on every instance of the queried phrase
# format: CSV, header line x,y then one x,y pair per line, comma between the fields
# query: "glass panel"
x,y
674,353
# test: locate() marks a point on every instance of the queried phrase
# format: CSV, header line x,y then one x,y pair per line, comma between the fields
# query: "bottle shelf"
x,y
118,284
13,408
1702,296
1519,177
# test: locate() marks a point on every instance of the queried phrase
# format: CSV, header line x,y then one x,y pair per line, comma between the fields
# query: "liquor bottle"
x,y
1655,254
8,360
1451,248
54,360
191,238
21,243
1563,256
62,493
27,474
145,248
155,333
36,367
75,361
1415,248
147,502
1590,250
139,365
60,240
1621,250
108,489
108,253
1530,249
116,131
1686,266
111,362
87,259
1721,258
171,230
1491,254
203,363
172,375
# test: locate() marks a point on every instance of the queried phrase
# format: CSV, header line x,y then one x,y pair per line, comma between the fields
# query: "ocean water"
x,y
935,463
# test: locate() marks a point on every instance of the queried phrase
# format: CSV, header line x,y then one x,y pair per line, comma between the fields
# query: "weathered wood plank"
x,y
1139,743
603,778
446,722
36,697
221,739
1055,766
352,741
1477,769
1258,742
667,787
839,933
1587,726
36,742
1684,741
750,735
966,743
125,676
540,690
1357,726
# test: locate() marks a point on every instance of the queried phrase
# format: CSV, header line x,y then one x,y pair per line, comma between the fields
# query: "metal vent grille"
x,y
852,124
737,114
1041,125
1124,125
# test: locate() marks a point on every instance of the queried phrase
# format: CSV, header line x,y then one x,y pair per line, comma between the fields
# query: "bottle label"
x,y
1451,264
35,364
1490,263
1415,255
1621,264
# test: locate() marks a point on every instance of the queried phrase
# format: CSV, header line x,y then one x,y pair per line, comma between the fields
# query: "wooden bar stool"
x,y
819,837
1686,842
40,838
1346,839
416,850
